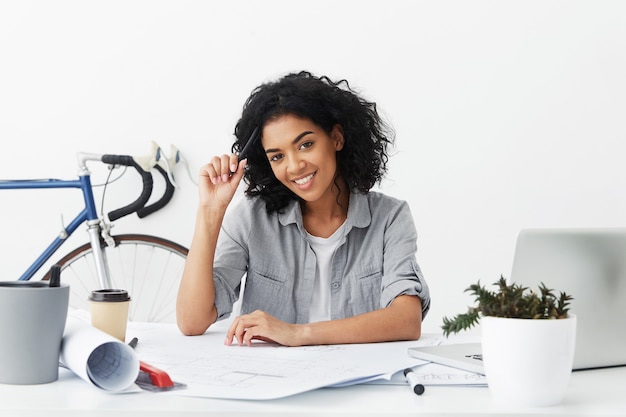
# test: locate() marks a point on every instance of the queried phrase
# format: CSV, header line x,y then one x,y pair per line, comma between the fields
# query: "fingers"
x,y
238,171
248,327
220,169
240,330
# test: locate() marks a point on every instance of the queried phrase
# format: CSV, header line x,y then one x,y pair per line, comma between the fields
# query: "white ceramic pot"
x,y
528,362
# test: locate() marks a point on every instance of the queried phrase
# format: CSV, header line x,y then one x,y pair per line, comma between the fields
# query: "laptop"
x,y
590,265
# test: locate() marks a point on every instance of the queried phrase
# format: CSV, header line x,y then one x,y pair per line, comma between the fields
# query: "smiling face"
x,y
303,156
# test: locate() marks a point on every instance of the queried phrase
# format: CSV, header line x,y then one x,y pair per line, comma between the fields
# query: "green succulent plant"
x,y
513,301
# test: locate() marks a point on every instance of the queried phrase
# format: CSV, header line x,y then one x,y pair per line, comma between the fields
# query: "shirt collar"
x,y
359,214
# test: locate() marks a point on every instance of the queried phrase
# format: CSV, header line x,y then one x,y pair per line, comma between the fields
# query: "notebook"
x,y
590,265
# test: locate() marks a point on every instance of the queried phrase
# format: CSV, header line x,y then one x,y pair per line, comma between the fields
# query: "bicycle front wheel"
x,y
148,267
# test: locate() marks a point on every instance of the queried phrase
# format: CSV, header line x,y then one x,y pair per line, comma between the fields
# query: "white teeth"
x,y
304,180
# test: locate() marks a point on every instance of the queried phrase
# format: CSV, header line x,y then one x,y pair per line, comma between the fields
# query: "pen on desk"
x,y
133,342
413,381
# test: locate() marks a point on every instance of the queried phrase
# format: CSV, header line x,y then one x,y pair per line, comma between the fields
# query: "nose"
x,y
294,164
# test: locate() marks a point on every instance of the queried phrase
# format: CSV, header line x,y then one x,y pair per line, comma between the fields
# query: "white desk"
x,y
591,393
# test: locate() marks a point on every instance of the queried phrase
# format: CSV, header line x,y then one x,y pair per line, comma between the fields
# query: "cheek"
x,y
278,173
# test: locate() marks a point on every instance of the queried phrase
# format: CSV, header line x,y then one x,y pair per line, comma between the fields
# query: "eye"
x,y
276,157
305,145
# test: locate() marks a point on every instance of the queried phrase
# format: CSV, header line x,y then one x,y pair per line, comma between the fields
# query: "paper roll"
x,y
97,357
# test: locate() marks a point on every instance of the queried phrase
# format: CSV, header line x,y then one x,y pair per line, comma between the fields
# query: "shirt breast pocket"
x,y
266,289
366,290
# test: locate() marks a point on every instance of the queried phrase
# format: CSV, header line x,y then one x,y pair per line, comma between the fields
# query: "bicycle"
x,y
149,267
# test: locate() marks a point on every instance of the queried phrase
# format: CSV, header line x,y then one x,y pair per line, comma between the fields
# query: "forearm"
x,y
195,303
402,320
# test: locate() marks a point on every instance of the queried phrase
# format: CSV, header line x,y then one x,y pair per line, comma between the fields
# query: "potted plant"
x,y
528,339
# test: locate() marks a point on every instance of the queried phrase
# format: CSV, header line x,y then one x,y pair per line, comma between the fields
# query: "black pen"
x,y
55,276
133,342
413,381
246,149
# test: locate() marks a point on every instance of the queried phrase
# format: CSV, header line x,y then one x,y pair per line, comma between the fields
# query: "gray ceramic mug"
x,y
32,321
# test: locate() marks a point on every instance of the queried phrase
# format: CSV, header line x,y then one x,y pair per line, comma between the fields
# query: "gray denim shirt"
x,y
374,263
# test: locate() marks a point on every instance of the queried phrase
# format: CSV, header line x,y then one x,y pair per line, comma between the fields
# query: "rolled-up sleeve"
x,y
401,272
231,260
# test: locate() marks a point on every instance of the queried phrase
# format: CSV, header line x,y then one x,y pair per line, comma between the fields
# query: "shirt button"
x,y
335,285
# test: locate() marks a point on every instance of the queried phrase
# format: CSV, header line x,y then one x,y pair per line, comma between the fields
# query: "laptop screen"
x,y
590,265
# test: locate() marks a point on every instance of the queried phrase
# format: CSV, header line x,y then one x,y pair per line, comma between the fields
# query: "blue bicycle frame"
x,y
88,214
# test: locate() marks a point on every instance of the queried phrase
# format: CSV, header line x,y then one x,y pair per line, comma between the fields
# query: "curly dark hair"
x,y
361,163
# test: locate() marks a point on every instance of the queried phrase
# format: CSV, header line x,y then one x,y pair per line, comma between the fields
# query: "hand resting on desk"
x,y
400,321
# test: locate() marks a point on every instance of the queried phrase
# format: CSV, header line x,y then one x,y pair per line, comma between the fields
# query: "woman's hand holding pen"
x,y
219,179
195,303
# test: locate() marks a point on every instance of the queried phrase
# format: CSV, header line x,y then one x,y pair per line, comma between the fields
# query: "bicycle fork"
x,y
99,253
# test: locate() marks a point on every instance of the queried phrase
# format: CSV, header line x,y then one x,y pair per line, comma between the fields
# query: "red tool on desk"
x,y
152,378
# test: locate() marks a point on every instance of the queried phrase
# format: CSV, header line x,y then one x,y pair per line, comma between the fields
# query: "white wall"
x,y
509,114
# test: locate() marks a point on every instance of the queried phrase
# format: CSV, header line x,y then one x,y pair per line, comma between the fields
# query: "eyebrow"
x,y
296,140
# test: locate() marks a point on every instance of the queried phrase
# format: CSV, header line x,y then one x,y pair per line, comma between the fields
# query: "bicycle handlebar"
x,y
162,202
144,166
146,177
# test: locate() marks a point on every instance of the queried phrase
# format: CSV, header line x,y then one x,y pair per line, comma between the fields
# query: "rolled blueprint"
x,y
97,357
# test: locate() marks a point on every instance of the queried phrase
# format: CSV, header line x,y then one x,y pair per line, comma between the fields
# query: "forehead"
x,y
285,129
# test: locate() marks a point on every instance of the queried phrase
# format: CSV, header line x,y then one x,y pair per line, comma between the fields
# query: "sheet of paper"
x,y
433,374
97,357
262,371
436,374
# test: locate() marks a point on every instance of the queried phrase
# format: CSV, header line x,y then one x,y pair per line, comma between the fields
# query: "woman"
x,y
326,260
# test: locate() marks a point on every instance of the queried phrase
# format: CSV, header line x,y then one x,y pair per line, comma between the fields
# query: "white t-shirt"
x,y
324,248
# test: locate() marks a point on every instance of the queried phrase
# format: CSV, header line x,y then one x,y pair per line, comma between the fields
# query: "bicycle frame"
x,y
98,228
87,215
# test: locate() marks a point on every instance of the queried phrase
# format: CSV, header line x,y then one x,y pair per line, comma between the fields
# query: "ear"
x,y
337,136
